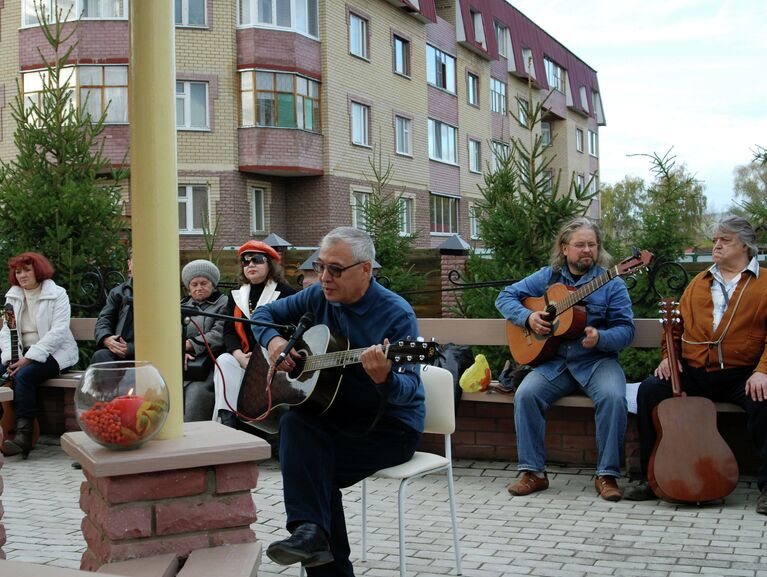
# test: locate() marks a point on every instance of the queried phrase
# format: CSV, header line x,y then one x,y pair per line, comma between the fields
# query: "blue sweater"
x,y
608,309
379,314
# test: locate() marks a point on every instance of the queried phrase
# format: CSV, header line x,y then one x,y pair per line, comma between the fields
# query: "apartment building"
x,y
282,104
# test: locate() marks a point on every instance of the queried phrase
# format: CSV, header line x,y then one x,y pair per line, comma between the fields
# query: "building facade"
x,y
281,105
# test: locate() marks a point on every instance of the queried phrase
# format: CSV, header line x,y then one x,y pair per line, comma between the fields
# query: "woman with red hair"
x,y
261,282
45,344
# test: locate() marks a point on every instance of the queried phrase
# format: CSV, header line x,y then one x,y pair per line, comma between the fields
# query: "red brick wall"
x,y
279,149
100,41
278,50
448,263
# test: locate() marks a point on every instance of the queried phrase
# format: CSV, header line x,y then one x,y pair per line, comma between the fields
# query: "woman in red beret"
x,y
261,282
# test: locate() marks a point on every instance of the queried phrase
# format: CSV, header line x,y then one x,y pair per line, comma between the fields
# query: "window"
x,y
479,28
280,100
358,36
359,202
527,58
299,15
192,105
444,214
501,35
472,89
501,152
548,182
593,144
593,184
555,75
522,111
545,133
497,96
190,13
580,182
406,215
403,135
584,98
93,88
192,208
579,140
401,56
440,69
73,9
442,138
258,216
475,158
360,124
474,222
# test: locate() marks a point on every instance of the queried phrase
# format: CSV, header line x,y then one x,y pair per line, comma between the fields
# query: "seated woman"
x,y
201,278
261,282
46,346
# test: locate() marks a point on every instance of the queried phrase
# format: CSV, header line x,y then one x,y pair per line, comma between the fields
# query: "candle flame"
x,y
130,393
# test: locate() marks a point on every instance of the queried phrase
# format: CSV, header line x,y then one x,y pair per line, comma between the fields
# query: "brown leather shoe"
x,y
607,488
528,483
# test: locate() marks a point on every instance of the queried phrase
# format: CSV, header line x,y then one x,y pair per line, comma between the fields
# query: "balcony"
x,y
280,151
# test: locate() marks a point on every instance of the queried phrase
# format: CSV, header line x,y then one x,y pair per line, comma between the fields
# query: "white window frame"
x,y
555,75
593,144
186,98
475,156
359,119
406,215
403,135
546,134
580,182
453,209
358,30
472,89
258,210
27,9
501,38
440,69
479,28
401,59
297,8
183,22
579,139
442,142
497,96
188,201
497,146
593,182
360,198
473,222
522,118
529,63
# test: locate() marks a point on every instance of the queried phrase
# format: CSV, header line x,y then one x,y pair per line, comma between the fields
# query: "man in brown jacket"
x,y
723,338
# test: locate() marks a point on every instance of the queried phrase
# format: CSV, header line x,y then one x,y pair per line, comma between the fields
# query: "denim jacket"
x,y
608,309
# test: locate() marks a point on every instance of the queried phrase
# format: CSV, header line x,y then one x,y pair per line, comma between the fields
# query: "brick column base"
x,y
171,496
450,262
2,511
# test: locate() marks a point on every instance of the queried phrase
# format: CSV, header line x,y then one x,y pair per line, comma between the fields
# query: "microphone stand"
x,y
194,311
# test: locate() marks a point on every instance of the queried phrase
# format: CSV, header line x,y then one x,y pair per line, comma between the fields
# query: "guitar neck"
x,y
577,296
676,382
336,359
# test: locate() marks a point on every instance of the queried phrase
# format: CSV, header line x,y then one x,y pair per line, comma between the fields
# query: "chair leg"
x,y
364,539
456,547
401,511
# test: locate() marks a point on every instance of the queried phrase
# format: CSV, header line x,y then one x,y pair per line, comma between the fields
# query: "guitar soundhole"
x,y
551,312
300,364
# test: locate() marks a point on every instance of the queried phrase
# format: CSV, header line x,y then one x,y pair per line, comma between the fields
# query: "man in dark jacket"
x,y
114,327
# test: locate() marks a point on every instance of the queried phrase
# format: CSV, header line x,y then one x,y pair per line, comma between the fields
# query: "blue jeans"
x,y
606,388
25,384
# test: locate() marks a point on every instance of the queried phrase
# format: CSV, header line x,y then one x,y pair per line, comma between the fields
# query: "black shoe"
x,y
307,545
761,502
641,492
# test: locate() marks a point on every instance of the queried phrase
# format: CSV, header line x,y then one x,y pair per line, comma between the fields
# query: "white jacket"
x,y
53,314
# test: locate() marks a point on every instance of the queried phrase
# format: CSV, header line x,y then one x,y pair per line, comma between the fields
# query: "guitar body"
x,y
529,348
690,462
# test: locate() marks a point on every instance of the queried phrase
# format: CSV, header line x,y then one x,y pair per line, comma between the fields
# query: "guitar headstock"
x,y
639,260
669,312
9,317
418,352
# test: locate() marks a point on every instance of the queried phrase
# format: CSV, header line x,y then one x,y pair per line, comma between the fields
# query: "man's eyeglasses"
x,y
333,269
257,258
583,245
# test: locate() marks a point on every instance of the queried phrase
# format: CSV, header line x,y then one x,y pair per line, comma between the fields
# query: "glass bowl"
x,y
122,404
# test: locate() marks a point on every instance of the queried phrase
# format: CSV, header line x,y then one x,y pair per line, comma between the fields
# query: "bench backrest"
x,y
83,329
492,332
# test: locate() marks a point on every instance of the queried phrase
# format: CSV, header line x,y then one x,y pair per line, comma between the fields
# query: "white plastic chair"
x,y
440,419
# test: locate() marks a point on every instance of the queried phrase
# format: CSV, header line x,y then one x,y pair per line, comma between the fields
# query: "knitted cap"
x,y
258,246
200,267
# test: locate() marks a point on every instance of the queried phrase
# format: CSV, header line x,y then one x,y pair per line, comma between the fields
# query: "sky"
x,y
688,76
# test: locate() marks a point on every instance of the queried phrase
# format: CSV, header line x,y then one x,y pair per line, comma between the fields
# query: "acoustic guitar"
x,y
567,317
8,420
316,379
690,462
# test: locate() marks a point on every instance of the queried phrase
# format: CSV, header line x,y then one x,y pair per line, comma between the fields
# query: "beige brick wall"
x,y
10,19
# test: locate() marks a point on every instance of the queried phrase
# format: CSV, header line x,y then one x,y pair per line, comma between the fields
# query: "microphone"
x,y
303,325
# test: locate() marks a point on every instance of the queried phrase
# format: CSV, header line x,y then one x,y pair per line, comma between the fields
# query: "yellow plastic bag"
x,y
477,376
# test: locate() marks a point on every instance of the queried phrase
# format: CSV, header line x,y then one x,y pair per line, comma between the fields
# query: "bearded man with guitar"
x,y
375,419
723,342
586,361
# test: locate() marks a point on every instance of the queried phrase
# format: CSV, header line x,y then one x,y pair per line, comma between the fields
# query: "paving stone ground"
x,y
565,531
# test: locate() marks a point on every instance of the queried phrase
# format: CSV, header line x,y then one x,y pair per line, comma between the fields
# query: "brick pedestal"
x,y
171,496
449,262
6,394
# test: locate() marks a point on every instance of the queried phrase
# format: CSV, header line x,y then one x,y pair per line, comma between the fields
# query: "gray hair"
x,y
558,260
743,229
359,242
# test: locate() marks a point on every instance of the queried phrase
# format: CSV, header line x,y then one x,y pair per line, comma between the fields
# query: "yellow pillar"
x,y
153,197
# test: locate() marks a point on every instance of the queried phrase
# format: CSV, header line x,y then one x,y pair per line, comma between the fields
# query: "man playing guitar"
x,y
376,418
588,362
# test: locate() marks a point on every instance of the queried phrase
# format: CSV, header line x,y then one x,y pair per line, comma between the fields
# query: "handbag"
x,y
198,368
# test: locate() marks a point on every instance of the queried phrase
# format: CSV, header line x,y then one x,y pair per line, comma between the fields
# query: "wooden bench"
x,y
485,428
